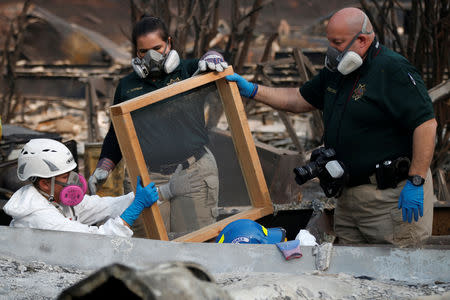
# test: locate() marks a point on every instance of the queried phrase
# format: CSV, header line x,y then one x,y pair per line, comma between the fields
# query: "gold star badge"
x,y
359,92
173,80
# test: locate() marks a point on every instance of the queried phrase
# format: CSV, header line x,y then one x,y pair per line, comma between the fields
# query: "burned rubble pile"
x,y
37,280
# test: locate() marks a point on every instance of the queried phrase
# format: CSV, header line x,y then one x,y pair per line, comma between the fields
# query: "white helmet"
x,y
44,158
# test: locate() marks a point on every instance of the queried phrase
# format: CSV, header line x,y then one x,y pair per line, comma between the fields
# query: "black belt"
x,y
352,182
170,168
387,173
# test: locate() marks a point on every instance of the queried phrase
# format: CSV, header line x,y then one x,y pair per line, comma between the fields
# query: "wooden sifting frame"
x,y
243,144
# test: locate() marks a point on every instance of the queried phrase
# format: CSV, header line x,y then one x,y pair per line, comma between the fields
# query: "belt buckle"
x,y
167,169
170,168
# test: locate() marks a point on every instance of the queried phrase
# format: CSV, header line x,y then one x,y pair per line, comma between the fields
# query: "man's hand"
x,y
212,61
100,175
246,89
179,184
411,201
145,197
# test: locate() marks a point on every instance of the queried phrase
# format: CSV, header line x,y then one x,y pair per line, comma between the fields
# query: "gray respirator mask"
x,y
155,64
346,61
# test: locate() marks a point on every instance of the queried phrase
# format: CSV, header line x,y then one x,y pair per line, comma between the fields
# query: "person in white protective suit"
x,y
56,199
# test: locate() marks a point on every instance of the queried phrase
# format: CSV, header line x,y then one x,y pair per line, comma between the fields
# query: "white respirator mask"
x,y
346,61
153,63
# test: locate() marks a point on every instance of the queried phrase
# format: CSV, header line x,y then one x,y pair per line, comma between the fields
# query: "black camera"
x,y
323,164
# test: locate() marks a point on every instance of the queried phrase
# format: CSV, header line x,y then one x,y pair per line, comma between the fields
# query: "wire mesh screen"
x,y
173,132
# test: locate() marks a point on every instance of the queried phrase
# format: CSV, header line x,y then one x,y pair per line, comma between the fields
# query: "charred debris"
x,y
58,77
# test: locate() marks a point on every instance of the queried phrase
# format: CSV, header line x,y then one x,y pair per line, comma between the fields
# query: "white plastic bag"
x,y
306,238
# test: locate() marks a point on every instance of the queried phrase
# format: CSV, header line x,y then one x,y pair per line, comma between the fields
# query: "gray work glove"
x,y
104,167
97,179
179,184
212,61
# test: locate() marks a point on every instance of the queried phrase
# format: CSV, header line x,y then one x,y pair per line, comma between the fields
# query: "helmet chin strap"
x,y
50,197
52,190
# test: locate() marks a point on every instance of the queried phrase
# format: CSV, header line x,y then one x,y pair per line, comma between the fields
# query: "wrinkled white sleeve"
x,y
52,219
94,209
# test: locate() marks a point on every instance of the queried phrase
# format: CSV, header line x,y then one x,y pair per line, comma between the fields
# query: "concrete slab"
x,y
90,251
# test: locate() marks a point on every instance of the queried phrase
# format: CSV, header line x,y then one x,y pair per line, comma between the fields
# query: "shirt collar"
x,y
372,52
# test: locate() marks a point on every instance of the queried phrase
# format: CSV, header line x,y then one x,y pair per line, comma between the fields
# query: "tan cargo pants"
x,y
365,214
192,211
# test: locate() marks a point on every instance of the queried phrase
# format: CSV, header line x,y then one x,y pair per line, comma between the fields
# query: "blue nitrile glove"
x,y
145,197
411,201
246,89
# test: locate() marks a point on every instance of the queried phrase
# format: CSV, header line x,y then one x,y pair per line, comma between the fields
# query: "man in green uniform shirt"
x,y
376,111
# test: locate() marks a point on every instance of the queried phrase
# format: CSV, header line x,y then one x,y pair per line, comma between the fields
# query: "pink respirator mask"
x,y
74,190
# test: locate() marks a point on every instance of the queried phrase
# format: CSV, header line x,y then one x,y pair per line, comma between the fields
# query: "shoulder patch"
x,y
412,79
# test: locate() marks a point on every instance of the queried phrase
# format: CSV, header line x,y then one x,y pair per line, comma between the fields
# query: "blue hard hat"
x,y
246,231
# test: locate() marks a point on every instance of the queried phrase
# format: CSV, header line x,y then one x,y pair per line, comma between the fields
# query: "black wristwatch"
x,y
416,180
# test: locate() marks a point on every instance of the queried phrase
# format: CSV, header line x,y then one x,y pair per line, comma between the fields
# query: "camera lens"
x,y
301,175
305,173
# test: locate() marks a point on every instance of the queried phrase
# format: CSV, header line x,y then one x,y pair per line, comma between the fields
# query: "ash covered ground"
x,y
37,280
318,285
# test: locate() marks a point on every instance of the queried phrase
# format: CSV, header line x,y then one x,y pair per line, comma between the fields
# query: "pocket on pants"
x,y
212,194
403,232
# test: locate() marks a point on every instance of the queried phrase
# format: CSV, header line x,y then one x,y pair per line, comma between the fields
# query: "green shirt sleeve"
x,y
407,98
118,93
313,90
191,66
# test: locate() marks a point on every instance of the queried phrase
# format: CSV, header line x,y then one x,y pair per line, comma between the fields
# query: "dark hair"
x,y
149,24
35,181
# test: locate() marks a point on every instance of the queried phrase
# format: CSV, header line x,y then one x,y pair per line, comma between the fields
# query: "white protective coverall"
x,y
31,209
